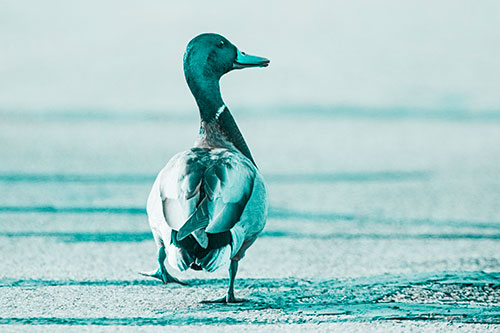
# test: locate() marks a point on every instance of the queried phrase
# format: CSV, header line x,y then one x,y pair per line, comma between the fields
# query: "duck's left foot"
x,y
162,273
164,276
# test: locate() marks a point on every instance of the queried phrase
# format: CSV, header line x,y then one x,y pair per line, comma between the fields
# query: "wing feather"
x,y
205,188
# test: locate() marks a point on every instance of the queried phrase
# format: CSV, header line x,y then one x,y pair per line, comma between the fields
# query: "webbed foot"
x,y
164,276
229,298
225,300
162,273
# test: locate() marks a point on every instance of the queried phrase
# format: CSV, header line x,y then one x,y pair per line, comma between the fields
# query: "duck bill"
x,y
244,60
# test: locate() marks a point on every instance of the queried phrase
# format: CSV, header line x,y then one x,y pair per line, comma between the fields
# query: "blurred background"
x,y
125,56
376,126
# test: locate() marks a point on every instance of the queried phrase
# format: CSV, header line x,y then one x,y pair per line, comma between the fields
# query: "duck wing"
x,y
206,189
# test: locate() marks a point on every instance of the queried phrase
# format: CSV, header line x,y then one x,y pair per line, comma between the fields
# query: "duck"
x,y
208,205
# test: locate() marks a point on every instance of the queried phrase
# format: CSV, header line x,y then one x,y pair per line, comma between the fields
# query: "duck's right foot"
x,y
225,300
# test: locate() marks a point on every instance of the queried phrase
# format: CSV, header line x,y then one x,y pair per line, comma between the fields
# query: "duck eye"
x,y
221,44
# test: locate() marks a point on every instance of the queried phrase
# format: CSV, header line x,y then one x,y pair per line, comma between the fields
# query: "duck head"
x,y
207,58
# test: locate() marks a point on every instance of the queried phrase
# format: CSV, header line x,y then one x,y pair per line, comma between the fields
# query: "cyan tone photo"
x,y
261,166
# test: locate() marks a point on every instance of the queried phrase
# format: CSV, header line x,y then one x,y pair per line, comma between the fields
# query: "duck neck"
x,y
218,127
207,96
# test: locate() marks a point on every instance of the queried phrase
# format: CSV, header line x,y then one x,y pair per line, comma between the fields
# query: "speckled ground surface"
x,y
375,224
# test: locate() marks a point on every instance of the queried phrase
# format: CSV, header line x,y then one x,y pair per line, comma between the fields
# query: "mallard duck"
x,y
209,203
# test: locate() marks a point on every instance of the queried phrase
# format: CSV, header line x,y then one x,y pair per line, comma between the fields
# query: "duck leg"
x,y
162,273
229,298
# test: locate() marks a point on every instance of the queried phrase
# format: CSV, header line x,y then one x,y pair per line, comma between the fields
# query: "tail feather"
x,y
198,220
201,237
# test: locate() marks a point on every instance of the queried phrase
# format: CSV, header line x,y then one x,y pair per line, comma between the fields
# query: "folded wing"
x,y
205,189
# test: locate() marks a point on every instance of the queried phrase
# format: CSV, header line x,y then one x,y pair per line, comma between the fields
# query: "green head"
x,y
209,56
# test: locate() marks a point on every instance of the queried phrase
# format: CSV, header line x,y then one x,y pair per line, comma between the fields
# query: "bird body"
x,y
205,192
209,203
